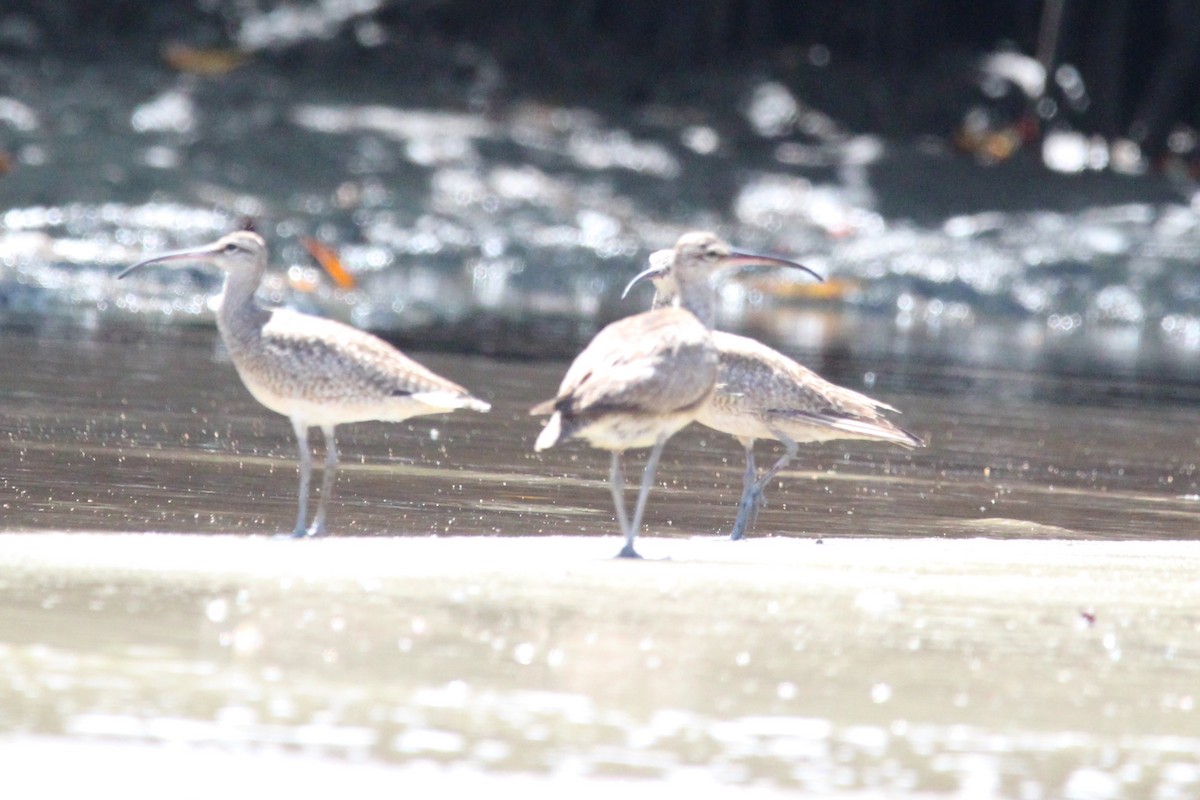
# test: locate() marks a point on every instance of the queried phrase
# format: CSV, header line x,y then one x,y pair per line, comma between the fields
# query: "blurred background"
x,y
1007,183
1002,196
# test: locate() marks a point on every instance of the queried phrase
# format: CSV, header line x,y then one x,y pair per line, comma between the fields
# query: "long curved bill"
x,y
662,260
740,260
660,264
194,254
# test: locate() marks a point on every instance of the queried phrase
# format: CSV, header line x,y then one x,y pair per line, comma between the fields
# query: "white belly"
x,y
741,425
339,411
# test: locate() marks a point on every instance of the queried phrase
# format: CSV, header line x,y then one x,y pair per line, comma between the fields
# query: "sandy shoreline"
x,y
1018,572
916,667
344,556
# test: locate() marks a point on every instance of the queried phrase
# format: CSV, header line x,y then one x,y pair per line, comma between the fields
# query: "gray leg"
x,y
790,449
757,500
327,480
305,473
616,480
746,506
647,481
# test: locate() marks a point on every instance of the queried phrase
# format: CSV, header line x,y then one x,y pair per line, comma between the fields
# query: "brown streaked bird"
x,y
316,372
645,377
762,394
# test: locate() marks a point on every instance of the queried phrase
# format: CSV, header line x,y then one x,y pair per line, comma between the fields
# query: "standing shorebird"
x,y
645,377
762,394
316,372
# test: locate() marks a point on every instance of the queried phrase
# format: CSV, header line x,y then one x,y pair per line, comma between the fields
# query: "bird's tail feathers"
x,y
451,400
879,430
550,434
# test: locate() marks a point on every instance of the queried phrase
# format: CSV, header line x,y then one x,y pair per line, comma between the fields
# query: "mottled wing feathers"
x,y
756,379
341,360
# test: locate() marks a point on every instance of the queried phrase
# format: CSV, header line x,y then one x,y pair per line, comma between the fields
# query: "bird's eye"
x,y
711,255
229,249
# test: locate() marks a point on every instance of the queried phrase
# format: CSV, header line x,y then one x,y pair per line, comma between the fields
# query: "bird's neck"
x,y
240,317
699,298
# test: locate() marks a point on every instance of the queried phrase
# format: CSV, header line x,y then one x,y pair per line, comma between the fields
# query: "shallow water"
x,y
133,429
129,429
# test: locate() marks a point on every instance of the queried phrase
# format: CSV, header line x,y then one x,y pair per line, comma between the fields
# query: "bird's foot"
x,y
754,502
628,552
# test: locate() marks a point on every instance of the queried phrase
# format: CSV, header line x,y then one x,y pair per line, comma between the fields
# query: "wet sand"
x,y
922,665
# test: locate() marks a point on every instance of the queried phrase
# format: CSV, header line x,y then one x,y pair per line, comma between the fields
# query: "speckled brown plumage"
x,y
330,372
644,378
762,394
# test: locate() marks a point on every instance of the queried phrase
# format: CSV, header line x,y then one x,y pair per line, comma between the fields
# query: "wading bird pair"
x,y
639,381
642,379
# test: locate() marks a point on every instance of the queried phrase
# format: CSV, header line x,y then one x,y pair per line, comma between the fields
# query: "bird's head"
x,y
237,252
697,256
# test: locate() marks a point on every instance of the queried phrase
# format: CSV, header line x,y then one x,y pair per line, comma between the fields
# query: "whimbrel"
x,y
643,378
762,394
316,372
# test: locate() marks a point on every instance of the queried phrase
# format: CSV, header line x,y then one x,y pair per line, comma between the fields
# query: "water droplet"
x,y
523,653
217,610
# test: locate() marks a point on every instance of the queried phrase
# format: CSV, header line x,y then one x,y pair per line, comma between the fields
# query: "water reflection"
x,y
128,430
